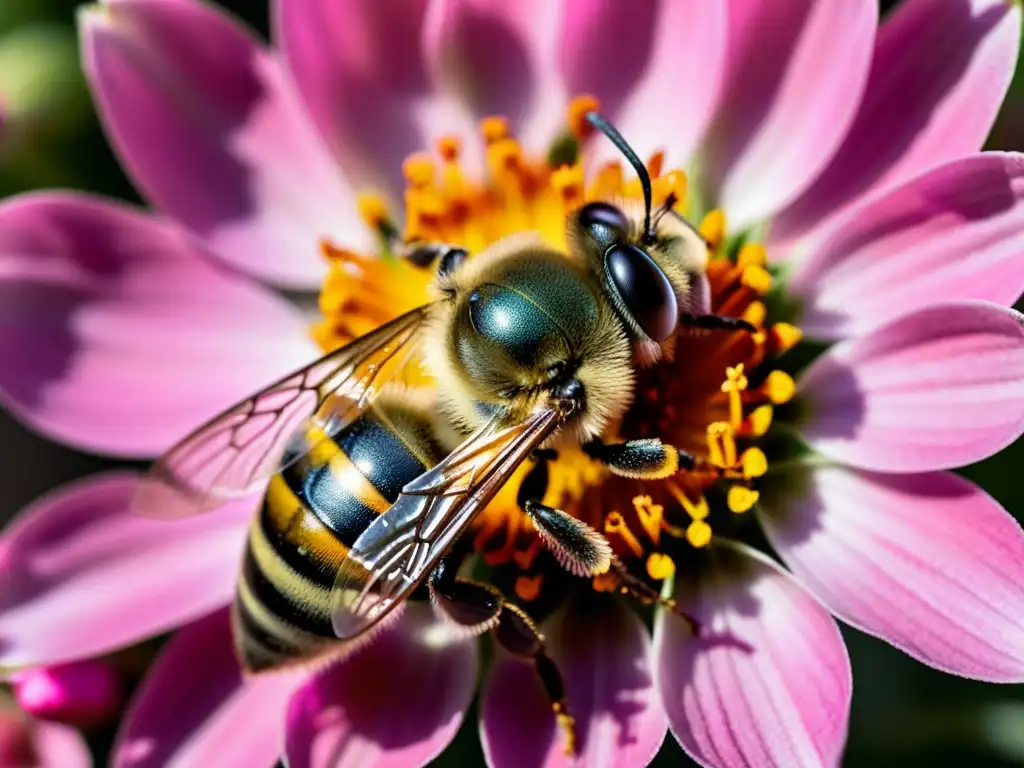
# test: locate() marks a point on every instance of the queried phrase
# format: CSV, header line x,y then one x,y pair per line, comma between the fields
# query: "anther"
x,y
755,313
374,211
783,337
698,534
740,498
650,516
614,524
779,387
449,147
579,107
418,169
568,182
528,587
494,129
712,228
607,181
758,422
753,463
677,184
655,163
721,444
698,510
751,255
733,385
757,279
660,566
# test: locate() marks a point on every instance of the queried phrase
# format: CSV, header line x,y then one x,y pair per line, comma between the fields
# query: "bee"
x,y
369,491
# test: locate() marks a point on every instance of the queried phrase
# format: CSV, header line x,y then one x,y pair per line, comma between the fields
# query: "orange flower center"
x,y
712,394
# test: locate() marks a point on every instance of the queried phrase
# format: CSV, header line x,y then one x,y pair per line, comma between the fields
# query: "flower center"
x,y
712,393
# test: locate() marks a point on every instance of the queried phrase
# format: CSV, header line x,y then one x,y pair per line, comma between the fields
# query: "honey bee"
x,y
369,491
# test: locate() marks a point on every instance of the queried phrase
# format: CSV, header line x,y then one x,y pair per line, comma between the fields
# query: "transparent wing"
x,y
234,453
393,555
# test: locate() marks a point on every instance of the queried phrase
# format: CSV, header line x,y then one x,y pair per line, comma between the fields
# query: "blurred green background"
x,y
904,714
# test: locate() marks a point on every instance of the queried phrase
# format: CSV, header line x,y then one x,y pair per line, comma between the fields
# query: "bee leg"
x,y
518,635
716,323
477,608
644,459
580,549
644,593
471,606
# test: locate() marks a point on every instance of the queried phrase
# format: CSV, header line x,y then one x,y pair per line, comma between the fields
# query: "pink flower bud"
x,y
81,693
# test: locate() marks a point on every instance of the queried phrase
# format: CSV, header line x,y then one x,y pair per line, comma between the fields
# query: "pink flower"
x,y
850,149
26,743
83,693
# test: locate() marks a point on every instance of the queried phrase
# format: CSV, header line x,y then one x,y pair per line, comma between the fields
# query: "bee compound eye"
x,y
644,289
603,221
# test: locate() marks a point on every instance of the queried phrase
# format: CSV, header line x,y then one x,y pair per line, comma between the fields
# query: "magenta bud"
x,y
82,693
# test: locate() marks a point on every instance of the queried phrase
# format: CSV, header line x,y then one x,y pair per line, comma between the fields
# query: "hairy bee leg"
x,y
716,323
518,635
477,608
470,605
579,548
644,459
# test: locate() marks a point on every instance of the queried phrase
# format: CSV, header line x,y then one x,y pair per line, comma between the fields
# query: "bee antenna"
x,y
597,120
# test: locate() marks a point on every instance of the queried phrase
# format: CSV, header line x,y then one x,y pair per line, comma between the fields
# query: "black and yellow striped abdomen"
x,y
312,513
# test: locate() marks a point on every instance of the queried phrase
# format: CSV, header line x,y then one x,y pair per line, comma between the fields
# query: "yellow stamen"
x,y
755,313
740,499
418,169
568,181
494,129
607,182
698,534
734,384
577,116
759,421
677,184
713,228
779,387
650,516
528,587
373,210
655,163
721,444
751,255
660,566
757,279
614,525
753,463
784,337
696,511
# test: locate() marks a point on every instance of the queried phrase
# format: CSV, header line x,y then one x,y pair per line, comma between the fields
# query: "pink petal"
x,y
937,388
656,67
768,682
955,233
60,746
117,337
397,702
195,709
498,58
795,73
930,563
604,653
213,134
86,693
939,73
361,69
80,576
